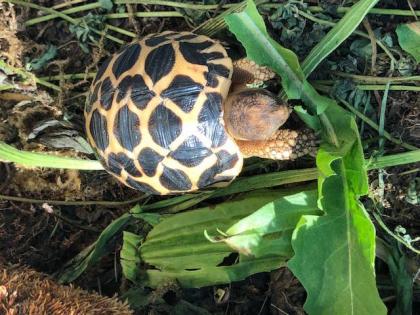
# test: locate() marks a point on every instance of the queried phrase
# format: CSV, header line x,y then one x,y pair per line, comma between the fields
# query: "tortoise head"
x,y
254,114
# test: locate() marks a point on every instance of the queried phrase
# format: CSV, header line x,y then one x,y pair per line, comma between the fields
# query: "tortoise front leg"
x,y
285,144
246,71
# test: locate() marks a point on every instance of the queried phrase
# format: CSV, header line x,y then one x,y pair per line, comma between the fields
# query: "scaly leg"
x,y
246,71
283,145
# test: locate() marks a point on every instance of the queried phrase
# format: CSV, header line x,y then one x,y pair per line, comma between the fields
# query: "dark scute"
x,y
214,56
102,69
122,161
149,160
140,93
225,161
113,165
209,120
126,60
219,70
160,61
123,87
164,126
93,97
192,52
142,186
107,93
211,79
98,130
183,91
209,177
173,179
186,37
191,152
127,128
156,40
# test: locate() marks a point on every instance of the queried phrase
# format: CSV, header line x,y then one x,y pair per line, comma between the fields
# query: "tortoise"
x,y
171,113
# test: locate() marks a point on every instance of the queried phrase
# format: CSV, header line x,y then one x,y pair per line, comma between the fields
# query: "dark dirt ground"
x,y
46,236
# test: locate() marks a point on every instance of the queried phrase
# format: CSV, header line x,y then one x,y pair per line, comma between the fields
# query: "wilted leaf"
x,y
409,38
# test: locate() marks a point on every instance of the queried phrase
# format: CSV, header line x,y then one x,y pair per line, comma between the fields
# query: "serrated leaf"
x,y
409,38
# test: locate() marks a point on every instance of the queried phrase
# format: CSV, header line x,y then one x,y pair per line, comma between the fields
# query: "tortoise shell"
x,y
154,114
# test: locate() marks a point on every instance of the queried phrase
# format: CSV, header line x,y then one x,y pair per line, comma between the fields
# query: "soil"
x,y
45,236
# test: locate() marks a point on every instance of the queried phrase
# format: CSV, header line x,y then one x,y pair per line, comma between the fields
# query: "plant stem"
x,y
374,80
376,87
144,14
375,126
86,7
317,9
63,16
74,76
174,4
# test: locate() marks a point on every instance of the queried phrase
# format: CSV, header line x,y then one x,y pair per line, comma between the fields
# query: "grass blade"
x,y
33,159
339,33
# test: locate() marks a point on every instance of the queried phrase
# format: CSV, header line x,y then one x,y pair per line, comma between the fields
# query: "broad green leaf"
x,y
268,230
178,249
91,255
130,259
409,38
266,51
42,61
33,159
339,33
342,180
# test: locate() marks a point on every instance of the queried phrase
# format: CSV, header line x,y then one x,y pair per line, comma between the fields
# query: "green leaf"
x,y
178,250
409,39
33,159
343,29
267,231
106,4
129,254
278,58
346,228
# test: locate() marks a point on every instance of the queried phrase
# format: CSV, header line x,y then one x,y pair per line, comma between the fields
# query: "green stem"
x,y
375,126
374,80
393,160
41,81
86,7
174,4
120,30
144,14
64,17
383,87
74,76
380,11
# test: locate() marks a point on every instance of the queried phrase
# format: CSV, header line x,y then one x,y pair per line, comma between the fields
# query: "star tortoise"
x,y
171,113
